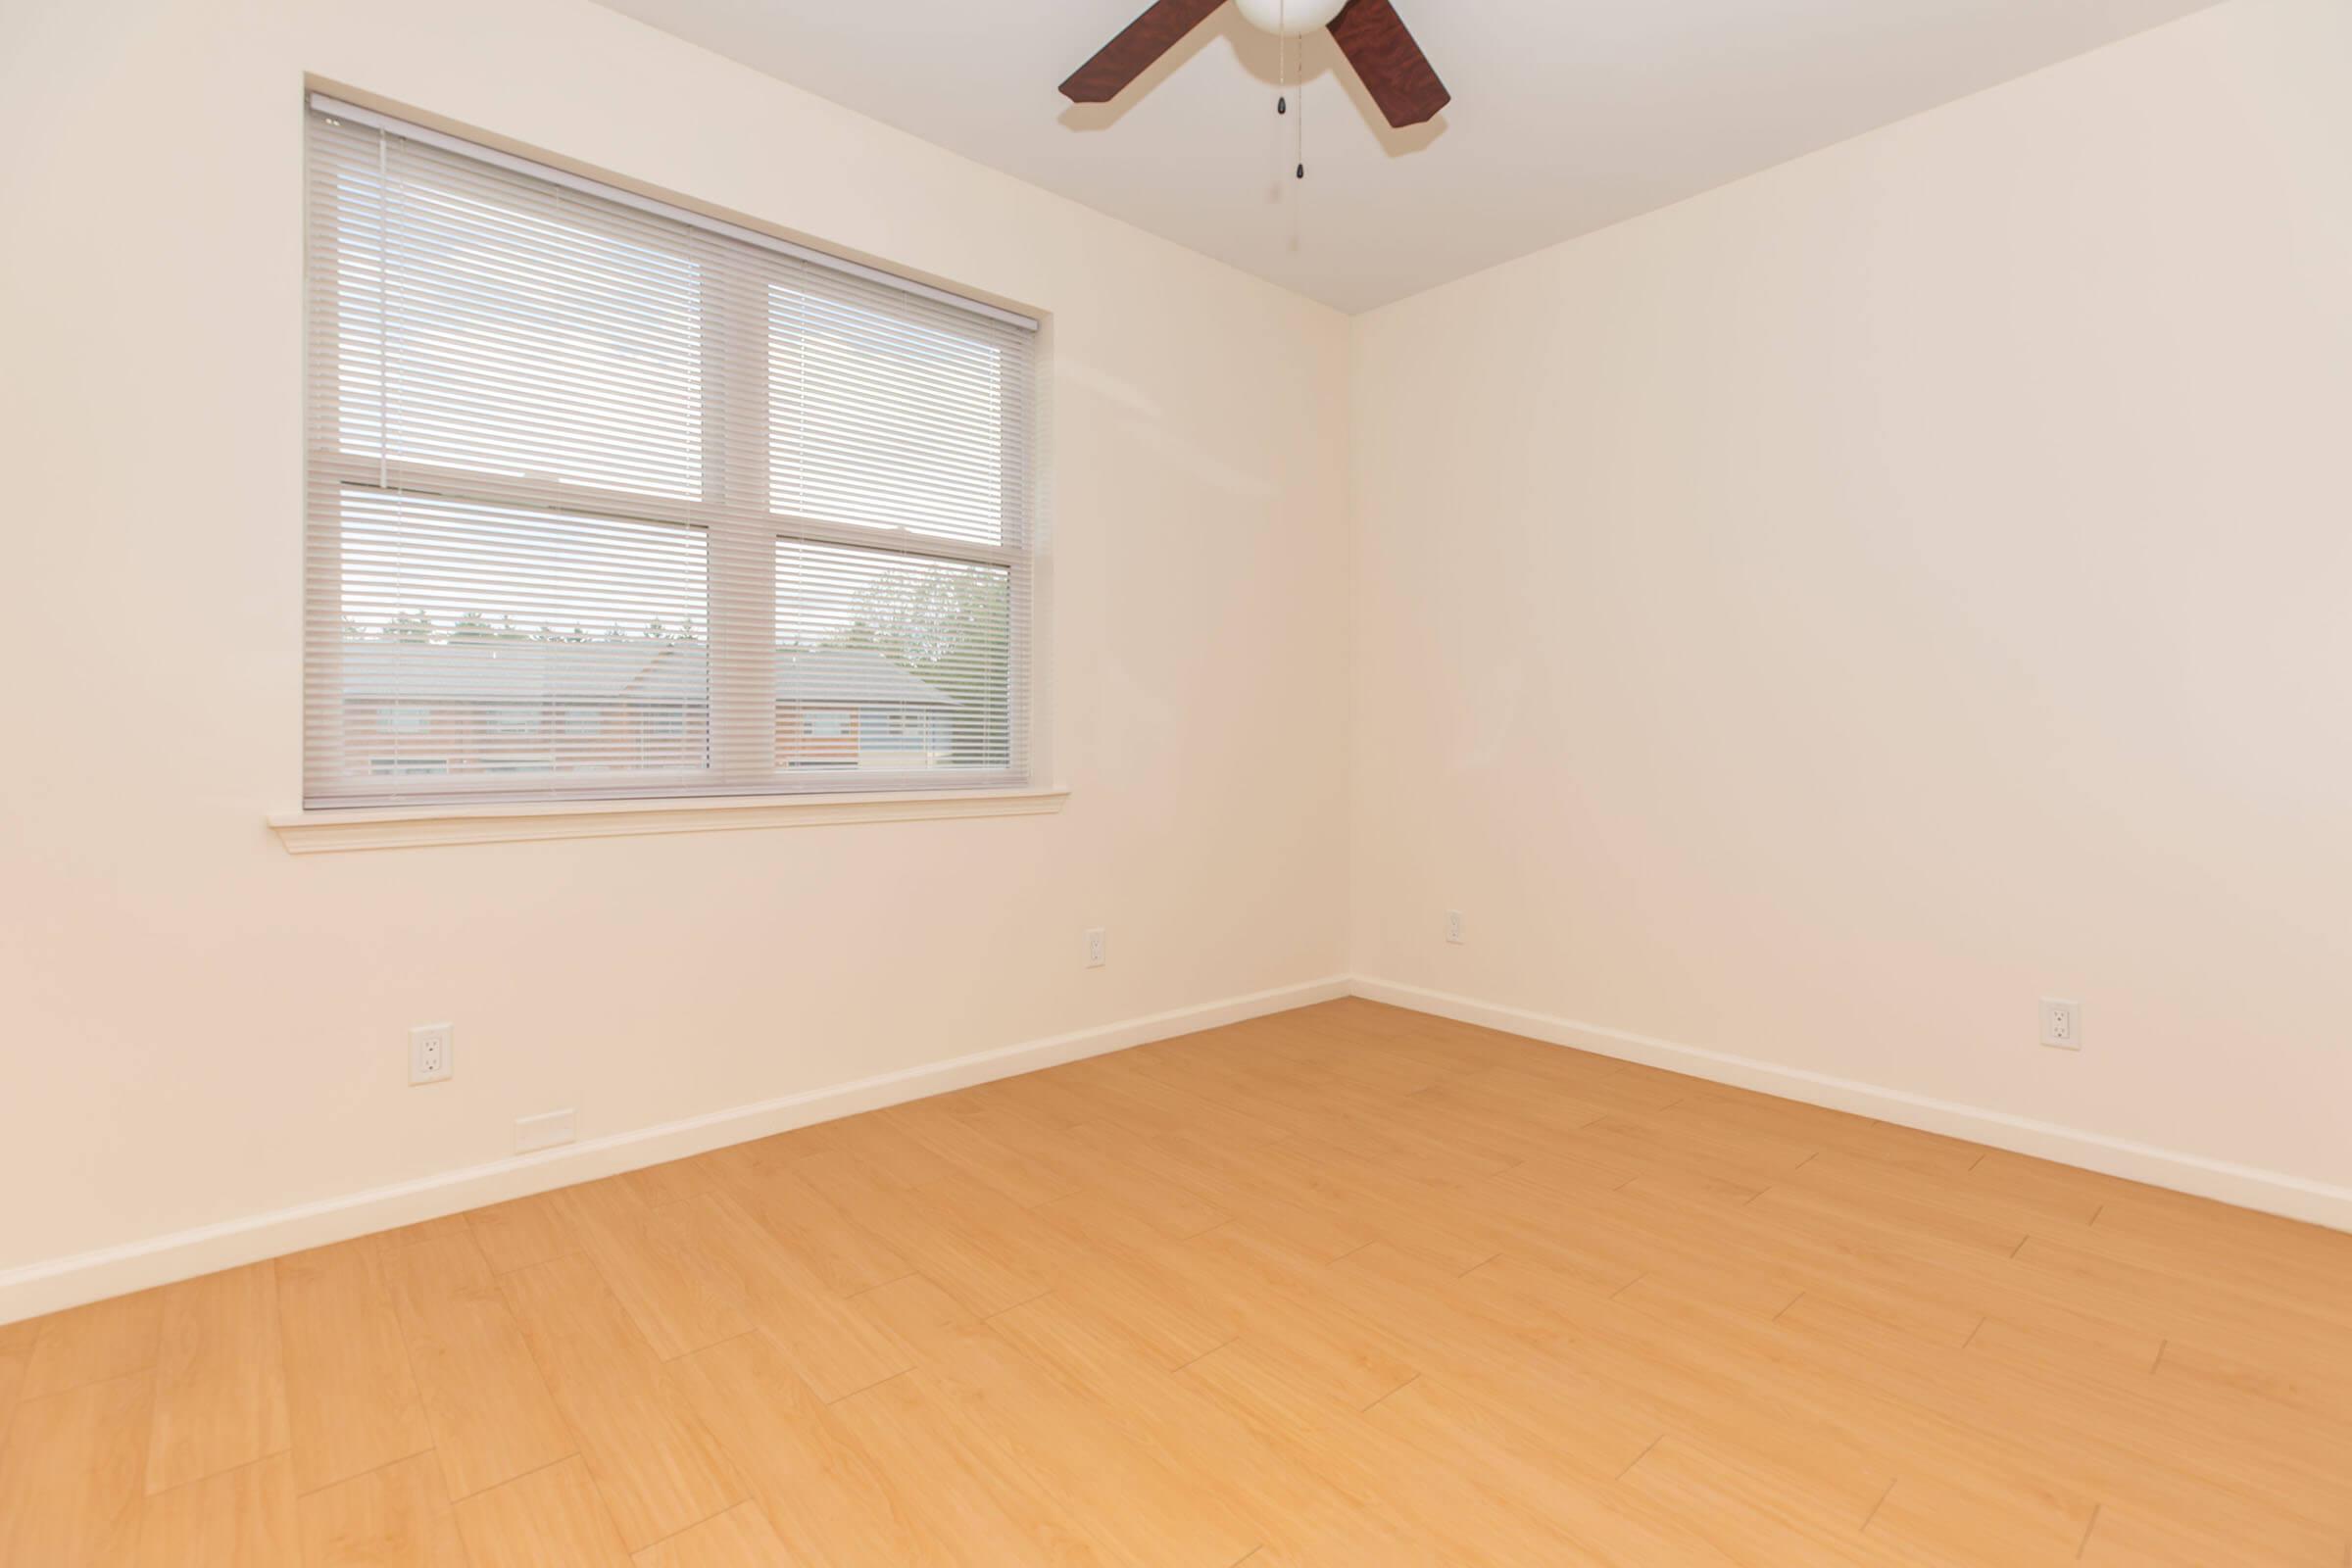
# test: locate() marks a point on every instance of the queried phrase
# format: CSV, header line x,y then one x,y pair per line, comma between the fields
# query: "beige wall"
x,y
1815,621
199,1027
1810,623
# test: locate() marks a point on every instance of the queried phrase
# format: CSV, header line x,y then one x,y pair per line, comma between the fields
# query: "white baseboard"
x,y
59,1282
2248,1187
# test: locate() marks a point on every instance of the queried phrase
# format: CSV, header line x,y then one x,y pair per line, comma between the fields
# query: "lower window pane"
x,y
488,647
891,664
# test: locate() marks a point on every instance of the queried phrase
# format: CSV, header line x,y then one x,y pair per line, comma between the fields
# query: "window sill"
x,y
333,831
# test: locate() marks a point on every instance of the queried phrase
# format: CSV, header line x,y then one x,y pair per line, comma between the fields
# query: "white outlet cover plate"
x,y
432,1053
2061,1024
1098,947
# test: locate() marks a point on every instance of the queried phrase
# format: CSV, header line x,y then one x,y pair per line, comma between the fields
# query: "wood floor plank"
x,y
1514,1470
2214,1310
673,1182
1749,1519
967,1494
1880,1143
1402,1504
2287,1381
656,1468
521,1232
72,1474
2140,1536
1709,1386
982,1248
2305,1255
740,1537
95,1344
1484,1362
547,1517
219,1377
1145,1282
441,1228
1044,1096
1868,1201
17,1341
490,1412
2024,1421
1343,1355
1175,1415
240,1518
1225,1178
351,1400
843,1255
964,1144
651,1263
1157,1203
916,1315
885,1152
397,1517
1136,1099
826,1492
834,1347
1074,1449
1932,1515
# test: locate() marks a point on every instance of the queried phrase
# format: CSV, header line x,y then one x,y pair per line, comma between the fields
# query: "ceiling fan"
x,y
1369,32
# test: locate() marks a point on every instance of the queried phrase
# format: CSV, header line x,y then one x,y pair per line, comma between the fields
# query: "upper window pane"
x,y
503,329
884,418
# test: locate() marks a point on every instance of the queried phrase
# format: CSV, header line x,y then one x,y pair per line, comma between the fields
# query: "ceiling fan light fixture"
x,y
1369,33
1290,18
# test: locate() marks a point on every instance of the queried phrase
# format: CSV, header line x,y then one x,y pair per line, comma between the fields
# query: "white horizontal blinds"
x,y
608,501
898,449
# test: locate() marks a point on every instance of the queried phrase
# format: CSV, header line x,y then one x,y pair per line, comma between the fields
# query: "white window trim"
x,y
344,828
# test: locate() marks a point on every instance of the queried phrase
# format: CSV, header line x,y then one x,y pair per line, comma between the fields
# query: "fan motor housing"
x,y
1290,18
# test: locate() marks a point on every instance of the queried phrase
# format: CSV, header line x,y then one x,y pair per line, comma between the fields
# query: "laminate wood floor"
x,y
1346,1286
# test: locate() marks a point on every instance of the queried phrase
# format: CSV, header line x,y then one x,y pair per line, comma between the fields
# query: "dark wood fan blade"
x,y
1132,53
1394,70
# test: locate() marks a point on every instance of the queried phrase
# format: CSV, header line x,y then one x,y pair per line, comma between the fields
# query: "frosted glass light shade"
x,y
1290,18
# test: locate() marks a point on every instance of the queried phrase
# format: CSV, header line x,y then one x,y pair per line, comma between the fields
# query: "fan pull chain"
x,y
1282,60
1281,79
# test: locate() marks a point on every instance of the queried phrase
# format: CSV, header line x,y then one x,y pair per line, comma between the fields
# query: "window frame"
x,y
735,513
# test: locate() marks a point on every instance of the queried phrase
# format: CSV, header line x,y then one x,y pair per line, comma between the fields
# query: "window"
x,y
627,498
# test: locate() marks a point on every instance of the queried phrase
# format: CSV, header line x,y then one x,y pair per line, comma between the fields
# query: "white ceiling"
x,y
1567,115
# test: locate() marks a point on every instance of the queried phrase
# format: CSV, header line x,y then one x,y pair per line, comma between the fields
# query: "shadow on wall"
x,y
1260,54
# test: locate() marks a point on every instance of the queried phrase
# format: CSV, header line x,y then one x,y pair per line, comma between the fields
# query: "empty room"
x,y
1176,784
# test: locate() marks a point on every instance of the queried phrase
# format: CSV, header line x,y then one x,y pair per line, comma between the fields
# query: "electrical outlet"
x,y
1453,927
432,1053
545,1131
1098,947
2061,1024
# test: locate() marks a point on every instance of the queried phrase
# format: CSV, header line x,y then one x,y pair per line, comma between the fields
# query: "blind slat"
x,y
610,500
